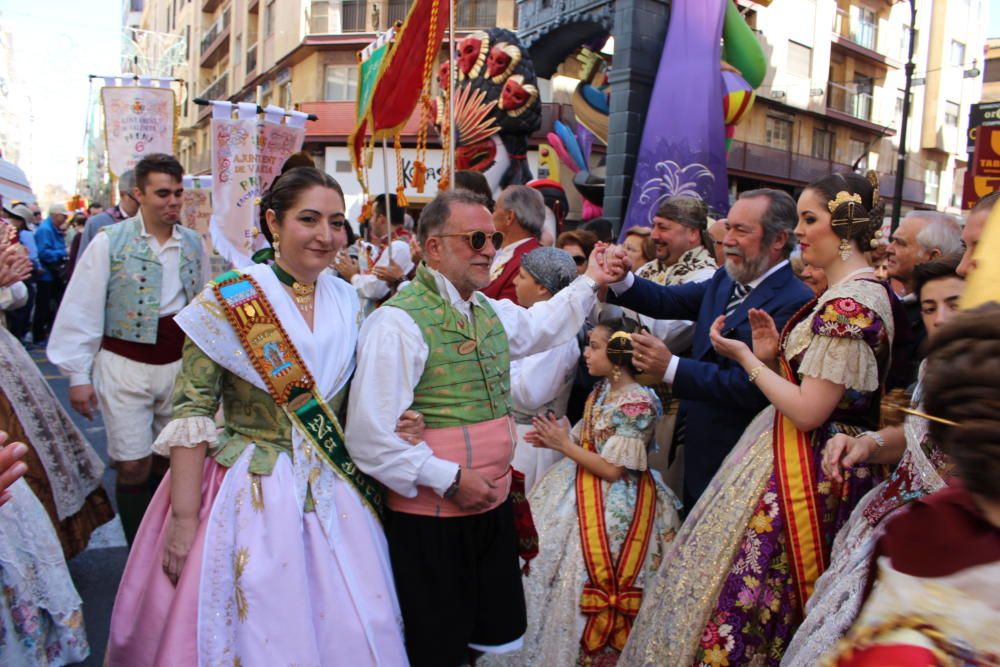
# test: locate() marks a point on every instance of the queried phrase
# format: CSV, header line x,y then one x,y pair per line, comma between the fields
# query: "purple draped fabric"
x,y
683,148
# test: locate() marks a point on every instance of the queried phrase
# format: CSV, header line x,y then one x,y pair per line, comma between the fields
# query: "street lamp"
x,y
897,195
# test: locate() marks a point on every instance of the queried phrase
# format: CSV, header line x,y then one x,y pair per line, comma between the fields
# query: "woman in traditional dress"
x,y
732,587
922,470
604,520
936,600
263,546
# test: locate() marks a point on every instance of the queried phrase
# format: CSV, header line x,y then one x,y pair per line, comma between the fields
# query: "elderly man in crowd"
x,y
717,399
519,216
922,236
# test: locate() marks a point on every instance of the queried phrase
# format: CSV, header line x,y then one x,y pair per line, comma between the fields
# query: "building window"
x,y
778,133
864,27
951,111
858,148
286,95
476,13
957,54
822,147
397,11
352,15
319,17
799,60
341,83
269,19
932,181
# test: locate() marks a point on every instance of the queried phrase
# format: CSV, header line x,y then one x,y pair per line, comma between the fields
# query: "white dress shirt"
x,y
626,283
79,325
13,296
373,289
504,255
392,355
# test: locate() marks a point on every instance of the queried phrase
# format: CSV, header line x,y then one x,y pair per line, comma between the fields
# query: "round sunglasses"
x,y
478,239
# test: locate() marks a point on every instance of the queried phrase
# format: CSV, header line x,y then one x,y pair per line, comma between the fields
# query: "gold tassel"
x,y
419,176
366,212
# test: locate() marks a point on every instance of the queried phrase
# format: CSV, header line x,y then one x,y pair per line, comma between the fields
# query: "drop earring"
x,y
616,374
845,250
277,247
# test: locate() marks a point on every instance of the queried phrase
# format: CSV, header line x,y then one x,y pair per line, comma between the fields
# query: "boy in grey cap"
x,y
541,382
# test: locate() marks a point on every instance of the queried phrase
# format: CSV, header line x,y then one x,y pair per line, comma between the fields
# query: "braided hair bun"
x,y
962,385
855,205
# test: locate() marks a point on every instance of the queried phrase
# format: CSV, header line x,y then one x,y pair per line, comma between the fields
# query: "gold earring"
x,y
616,374
277,247
845,250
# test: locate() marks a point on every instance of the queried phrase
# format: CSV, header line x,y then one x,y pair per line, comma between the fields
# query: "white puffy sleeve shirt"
x,y
391,359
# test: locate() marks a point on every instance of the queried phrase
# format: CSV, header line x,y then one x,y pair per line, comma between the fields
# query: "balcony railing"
x,y
847,99
252,58
353,14
213,33
218,89
861,33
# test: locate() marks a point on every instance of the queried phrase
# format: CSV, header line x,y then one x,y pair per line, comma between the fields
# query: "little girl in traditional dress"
x,y
603,519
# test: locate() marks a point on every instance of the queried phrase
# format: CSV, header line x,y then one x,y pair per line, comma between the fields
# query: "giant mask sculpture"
x,y
497,106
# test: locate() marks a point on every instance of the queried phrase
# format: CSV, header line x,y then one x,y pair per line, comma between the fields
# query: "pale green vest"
x,y
466,378
132,309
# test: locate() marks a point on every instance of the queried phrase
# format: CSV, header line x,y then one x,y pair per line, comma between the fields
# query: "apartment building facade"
x,y
293,53
833,97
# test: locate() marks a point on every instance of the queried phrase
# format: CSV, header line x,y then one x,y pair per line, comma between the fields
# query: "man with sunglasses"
x,y
520,217
115,337
442,348
126,207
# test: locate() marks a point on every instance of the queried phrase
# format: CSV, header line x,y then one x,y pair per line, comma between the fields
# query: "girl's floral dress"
x,y
725,594
622,431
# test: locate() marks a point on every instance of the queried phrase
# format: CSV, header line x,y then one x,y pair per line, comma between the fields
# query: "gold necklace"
x,y
303,293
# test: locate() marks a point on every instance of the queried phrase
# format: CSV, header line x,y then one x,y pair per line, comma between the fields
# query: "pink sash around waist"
x,y
486,447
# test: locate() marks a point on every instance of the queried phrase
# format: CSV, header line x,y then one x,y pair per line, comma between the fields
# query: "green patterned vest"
x,y
132,308
466,378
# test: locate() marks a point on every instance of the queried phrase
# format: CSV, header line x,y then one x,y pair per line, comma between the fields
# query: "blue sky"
x,y
57,43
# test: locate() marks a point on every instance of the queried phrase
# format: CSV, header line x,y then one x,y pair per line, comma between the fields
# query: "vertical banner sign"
x,y
983,174
683,147
138,121
247,154
196,214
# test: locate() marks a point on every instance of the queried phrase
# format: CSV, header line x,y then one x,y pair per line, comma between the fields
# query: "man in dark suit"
x,y
718,401
520,215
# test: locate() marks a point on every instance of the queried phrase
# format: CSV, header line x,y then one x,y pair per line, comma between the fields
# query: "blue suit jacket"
x,y
717,399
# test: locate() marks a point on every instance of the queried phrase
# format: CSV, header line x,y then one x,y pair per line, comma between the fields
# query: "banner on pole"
x,y
138,121
247,154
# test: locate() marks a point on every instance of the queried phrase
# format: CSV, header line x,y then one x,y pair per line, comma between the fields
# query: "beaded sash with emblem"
x,y
288,380
610,600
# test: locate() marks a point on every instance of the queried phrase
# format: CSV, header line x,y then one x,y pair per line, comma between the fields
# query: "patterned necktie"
x,y
740,292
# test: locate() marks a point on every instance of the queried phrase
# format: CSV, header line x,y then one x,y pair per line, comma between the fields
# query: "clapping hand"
x,y
392,274
11,468
730,348
14,265
550,433
766,339
345,266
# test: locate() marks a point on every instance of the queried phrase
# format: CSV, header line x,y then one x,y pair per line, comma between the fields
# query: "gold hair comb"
x,y
843,197
621,334
939,420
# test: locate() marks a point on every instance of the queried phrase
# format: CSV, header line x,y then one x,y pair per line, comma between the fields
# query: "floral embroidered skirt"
x,y
725,594
41,622
264,584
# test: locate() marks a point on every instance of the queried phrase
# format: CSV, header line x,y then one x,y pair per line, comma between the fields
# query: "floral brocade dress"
x,y
726,594
622,430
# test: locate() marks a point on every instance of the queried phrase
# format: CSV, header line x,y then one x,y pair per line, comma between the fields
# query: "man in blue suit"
x,y
718,401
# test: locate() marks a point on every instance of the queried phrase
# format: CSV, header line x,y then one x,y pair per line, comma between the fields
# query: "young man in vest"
x,y
443,350
115,337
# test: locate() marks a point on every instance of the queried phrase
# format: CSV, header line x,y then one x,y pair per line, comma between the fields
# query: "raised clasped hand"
x,y
608,264
549,432
765,336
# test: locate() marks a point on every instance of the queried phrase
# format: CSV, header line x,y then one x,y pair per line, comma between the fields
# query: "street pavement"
x,y
98,569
